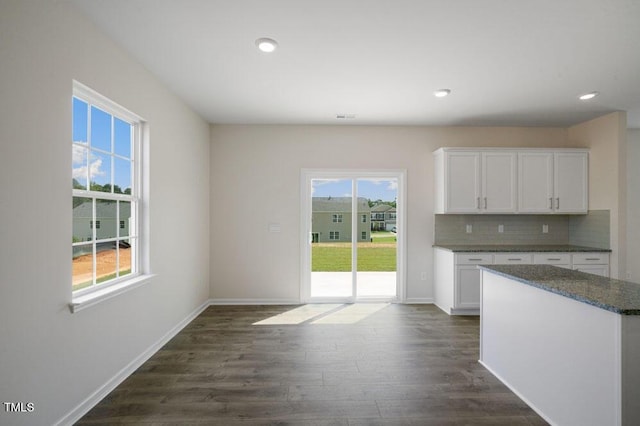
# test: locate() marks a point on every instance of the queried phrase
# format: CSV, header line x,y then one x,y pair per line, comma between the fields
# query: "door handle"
x,y
558,203
478,203
551,203
485,203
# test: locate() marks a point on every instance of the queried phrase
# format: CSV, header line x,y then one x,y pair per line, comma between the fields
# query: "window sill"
x,y
84,301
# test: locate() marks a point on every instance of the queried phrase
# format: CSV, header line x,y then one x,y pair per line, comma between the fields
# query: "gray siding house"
x,y
331,219
383,217
107,224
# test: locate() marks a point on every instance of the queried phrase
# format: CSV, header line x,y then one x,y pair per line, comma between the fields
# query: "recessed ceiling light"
x,y
266,45
588,96
441,93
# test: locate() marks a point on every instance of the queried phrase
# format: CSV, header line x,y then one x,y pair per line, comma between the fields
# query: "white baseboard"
x,y
93,399
419,300
254,302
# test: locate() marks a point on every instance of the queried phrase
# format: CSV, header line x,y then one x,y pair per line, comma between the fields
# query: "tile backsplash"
x,y
588,230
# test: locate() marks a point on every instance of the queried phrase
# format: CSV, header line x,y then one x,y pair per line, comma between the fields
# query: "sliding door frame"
x,y
307,175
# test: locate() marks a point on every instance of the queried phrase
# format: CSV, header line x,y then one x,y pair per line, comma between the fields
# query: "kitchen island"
x,y
567,342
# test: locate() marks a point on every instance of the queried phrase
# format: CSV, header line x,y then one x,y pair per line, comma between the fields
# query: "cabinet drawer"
x,y
512,259
590,258
552,259
474,259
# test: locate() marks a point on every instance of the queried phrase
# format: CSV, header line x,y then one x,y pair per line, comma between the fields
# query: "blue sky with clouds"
x,y
109,135
373,189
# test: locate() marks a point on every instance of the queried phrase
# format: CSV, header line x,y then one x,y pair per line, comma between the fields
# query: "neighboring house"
x,y
331,219
383,217
107,223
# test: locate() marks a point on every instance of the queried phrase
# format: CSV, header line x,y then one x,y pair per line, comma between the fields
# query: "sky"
x,y
110,140
373,189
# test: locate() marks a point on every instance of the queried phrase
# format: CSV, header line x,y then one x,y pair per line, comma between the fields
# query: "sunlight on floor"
x,y
324,314
299,315
351,314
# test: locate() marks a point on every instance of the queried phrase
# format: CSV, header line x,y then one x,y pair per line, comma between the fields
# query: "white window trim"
x,y
85,298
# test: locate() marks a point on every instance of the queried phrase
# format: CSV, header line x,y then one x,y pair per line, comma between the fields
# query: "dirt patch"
x,y
105,265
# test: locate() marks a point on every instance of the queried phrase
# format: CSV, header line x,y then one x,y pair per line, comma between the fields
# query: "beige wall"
x,y
255,180
606,139
49,356
633,204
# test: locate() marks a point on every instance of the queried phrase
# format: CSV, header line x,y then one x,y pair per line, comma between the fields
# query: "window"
x,y
337,218
364,235
106,192
334,235
364,218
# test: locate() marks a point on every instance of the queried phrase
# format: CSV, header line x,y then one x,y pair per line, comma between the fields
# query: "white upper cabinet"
x,y
499,182
571,177
535,182
462,182
490,180
475,182
553,182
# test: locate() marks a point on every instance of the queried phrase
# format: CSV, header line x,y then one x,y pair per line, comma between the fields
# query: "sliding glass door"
x,y
352,225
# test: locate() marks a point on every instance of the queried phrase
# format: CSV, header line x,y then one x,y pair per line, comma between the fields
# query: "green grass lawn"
x,y
383,237
328,257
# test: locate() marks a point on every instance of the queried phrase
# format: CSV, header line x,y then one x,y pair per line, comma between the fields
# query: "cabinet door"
x,y
467,287
499,182
570,182
462,186
602,270
535,182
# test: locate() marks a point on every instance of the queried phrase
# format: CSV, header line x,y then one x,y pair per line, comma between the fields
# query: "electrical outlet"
x,y
545,229
469,229
501,228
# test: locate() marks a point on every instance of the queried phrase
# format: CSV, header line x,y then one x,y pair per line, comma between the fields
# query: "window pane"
x,y
125,218
122,178
82,266
79,167
124,249
100,172
82,219
105,261
100,129
106,216
80,120
122,138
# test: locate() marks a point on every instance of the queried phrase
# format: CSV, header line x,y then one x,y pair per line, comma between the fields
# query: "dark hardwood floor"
x,y
353,365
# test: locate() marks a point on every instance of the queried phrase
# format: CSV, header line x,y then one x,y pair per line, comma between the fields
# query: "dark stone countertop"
x,y
621,297
521,248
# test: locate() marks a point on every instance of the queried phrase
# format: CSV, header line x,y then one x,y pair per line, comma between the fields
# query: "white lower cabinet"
x,y
593,263
457,276
512,259
467,279
562,260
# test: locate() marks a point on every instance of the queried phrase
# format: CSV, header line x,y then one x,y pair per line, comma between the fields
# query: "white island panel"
x,y
561,356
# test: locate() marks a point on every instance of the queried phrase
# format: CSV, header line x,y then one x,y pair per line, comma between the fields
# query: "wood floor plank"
x,y
244,365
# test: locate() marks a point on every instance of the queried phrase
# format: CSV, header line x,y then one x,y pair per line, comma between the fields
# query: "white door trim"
x,y
306,176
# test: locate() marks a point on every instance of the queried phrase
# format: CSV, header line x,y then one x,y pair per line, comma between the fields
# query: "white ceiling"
x,y
507,62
